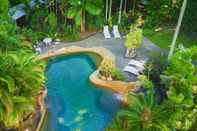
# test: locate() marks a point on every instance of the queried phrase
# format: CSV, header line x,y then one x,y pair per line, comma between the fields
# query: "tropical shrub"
x,y
106,66
21,78
156,64
142,114
145,82
70,34
133,39
9,39
33,36
168,11
180,76
95,22
178,79
108,70
117,74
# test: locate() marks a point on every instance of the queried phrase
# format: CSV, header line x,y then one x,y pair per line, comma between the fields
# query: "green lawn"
x,y
164,38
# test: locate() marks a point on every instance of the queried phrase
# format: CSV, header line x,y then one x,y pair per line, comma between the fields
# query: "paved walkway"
x,y
116,46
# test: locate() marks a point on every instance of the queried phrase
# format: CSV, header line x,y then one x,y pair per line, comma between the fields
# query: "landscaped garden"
x,y
95,65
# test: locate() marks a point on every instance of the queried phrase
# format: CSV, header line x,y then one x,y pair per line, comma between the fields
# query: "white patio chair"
x,y
116,32
38,49
131,70
106,32
47,41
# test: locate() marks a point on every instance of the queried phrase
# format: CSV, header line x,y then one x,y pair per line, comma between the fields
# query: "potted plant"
x,y
105,69
133,41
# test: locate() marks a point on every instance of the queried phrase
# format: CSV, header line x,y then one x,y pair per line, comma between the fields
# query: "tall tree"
x,y
177,28
78,10
106,9
120,11
110,8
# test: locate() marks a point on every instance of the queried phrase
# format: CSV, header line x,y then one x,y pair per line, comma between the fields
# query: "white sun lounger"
x,y
106,33
116,32
131,69
138,64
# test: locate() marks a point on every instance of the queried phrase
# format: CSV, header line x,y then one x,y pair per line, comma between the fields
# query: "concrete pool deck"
x,y
116,46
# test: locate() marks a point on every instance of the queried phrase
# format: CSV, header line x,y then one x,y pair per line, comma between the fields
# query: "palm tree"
x,y
21,78
79,8
143,114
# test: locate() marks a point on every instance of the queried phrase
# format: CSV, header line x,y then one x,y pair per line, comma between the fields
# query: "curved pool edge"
x,y
119,87
43,116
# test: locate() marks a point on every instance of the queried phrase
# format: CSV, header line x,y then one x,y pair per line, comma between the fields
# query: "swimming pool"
x,y
74,104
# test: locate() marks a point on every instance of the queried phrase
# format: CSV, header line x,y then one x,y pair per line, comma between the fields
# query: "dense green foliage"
x,y
78,8
21,76
180,76
57,18
8,38
190,18
142,113
168,11
178,80
4,9
117,74
168,14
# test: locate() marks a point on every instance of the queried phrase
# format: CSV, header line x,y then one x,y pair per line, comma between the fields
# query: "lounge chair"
x,y
116,32
131,70
106,33
136,63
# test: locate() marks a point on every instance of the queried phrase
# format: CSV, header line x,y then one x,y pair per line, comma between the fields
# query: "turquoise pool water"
x,y
74,104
